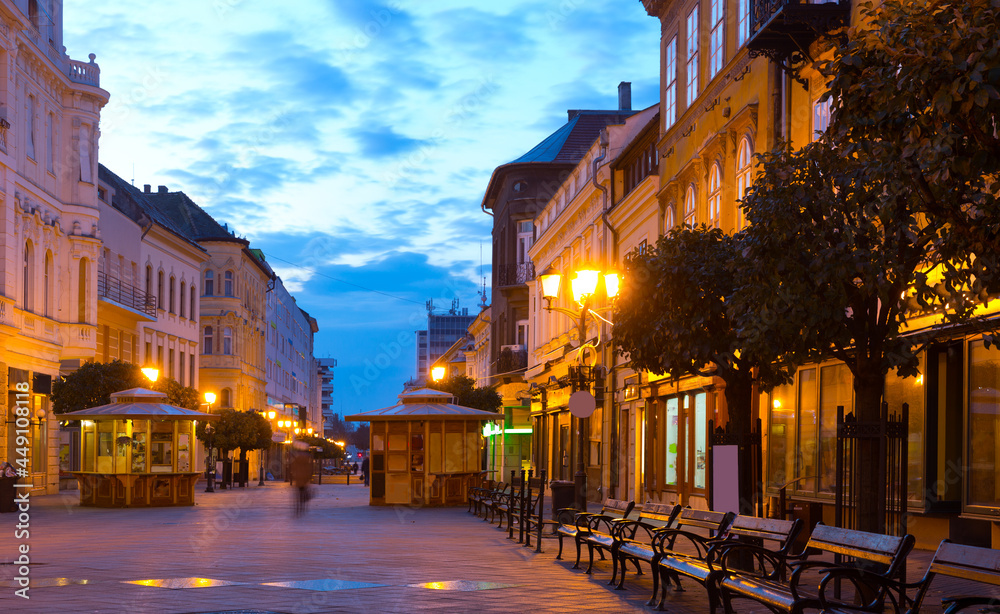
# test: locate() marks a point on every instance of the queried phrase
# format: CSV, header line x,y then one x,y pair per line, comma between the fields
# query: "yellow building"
x,y
50,109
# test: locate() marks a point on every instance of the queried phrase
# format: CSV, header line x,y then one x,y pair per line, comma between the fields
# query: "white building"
x,y
291,372
50,110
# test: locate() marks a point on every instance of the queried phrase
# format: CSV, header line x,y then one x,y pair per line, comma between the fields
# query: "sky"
x,y
352,140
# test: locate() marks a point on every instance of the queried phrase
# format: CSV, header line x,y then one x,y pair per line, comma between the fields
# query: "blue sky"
x,y
352,140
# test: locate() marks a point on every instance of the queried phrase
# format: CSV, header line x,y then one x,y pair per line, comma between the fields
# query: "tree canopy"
x,y
468,394
243,430
93,383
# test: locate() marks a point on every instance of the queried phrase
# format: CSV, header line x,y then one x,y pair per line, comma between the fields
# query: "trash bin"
x,y
7,495
563,494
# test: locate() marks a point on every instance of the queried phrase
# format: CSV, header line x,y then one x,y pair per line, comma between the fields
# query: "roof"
x,y
194,221
138,404
570,143
424,404
133,203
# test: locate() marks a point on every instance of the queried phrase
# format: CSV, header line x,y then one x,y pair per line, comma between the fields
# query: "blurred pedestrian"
x,y
354,468
301,475
364,469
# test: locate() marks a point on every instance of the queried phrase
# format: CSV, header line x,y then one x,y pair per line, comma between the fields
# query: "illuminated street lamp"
x,y
151,373
584,286
437,373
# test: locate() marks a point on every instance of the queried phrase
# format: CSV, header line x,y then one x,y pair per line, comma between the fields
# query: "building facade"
x,y
50,109
443,329
325,372
291,370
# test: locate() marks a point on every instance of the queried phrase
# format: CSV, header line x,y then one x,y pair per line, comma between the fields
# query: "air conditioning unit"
x,y
513,348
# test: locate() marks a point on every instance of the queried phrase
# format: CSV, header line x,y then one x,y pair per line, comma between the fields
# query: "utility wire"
x,y
317,273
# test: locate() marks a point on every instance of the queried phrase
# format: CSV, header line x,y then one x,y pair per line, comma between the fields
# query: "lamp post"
x,y
210,434
584,286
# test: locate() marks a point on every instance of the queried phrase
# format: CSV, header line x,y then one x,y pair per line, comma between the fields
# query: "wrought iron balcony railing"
x,y
125,294
515,274
780,28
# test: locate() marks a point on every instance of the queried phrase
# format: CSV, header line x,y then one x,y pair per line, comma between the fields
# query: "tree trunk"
x,y
869,385
739,401
244,472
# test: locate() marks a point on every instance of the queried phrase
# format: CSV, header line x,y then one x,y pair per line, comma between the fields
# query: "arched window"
x,y
689,205
669,220
160,298
149,281
227,340
206,345
172,307
228,283
226,397
50,280
183,304
714,196
82,294
209,283
194,296
743,157
28,284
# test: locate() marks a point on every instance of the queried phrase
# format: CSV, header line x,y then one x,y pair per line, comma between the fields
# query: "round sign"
x,y
582,403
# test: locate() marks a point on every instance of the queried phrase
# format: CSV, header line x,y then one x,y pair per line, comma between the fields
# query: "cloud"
x,y
382,141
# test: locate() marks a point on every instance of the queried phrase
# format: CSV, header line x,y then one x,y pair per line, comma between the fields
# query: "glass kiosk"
x,y
137,451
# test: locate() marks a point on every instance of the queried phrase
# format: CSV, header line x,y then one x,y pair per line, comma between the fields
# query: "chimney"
x,y
146,188
625,96
162,189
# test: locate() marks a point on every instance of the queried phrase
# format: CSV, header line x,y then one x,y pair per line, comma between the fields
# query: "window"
x,y
821,118
209,283
170,363
28,277
689,206
172,305
82,291
668,219
160,299
228,283
49,284
50,143
183,303
717,51
29,128
193,368
149,281
207,343
193,311
692,55
180,368
670,78
714,197
227,340
86,165
520,187
742,22
525,236
743,157
226,397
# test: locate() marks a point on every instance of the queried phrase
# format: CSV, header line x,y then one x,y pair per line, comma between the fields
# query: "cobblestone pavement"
x,y
242,550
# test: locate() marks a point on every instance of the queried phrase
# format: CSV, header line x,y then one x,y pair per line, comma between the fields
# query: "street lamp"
x,y
584,285
437,373
151,373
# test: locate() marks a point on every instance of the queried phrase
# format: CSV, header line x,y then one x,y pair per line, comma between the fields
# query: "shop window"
x,y
983,439
910,390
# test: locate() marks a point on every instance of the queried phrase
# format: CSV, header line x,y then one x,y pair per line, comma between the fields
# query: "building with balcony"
x,y
324,371
50,108
291,370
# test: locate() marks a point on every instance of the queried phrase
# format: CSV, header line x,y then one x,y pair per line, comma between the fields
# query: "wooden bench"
x,y
497,497
973,563
880,555
478,493
664,540
744,529
652,517
582,524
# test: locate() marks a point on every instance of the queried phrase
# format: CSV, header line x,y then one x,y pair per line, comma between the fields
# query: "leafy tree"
x,y
468,394
93,383
672,319
359,436
891,215
330,450
242,430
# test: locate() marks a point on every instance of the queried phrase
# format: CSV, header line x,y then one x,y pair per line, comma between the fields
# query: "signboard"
x,y
582,404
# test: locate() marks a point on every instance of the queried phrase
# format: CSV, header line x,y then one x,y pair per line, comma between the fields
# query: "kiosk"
x,y
425,450
137,451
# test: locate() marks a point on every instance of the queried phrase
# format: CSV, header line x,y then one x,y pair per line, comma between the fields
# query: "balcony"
x,y
512,358
781,29
126,295
87,73
515,274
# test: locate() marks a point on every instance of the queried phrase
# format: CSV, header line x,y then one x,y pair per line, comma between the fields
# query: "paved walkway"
x,y
243,551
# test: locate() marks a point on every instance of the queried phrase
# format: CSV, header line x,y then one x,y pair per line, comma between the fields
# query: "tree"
x,y
93,383
891,215
330,450
359,436
242,430
468,394
672,319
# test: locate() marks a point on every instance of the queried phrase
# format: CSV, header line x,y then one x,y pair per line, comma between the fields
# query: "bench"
x,y
664,540
478,493
744,529
499,497
954,560
601,541
652,517
764,581
583,524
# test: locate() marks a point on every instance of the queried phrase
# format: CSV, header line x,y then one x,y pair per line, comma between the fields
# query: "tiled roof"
x,y
569,143
188,216
137,206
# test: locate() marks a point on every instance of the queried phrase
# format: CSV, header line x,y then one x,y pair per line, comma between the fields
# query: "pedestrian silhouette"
x,y
301,475
364,469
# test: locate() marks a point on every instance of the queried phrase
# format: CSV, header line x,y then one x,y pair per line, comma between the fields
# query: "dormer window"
x,y
520,186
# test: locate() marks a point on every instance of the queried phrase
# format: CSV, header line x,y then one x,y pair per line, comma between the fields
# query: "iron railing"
x,y
515,274
125,294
